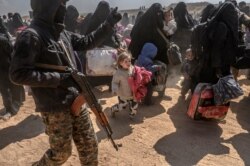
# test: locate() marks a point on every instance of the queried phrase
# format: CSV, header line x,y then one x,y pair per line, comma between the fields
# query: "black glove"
x,y
114,17
66,81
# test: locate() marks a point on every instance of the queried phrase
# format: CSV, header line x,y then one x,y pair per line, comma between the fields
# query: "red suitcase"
x,y
202,104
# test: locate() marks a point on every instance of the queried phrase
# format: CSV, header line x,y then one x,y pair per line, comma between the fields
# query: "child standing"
x,y
121,87
186,70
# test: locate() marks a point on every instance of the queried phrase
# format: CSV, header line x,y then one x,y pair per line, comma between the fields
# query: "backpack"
x,y
202,105
202,35
174,54
160,78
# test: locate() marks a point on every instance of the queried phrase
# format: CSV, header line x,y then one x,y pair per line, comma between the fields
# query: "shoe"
x,y
2,111
132,113
113,110
6,116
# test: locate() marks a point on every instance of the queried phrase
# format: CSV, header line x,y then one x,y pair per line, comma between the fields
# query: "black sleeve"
x,y
23,71
82,43
117,40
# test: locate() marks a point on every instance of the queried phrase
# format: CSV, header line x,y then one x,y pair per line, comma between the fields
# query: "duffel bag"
x,y
101,61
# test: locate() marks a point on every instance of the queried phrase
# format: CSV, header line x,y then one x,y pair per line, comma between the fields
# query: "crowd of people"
x,y
32,54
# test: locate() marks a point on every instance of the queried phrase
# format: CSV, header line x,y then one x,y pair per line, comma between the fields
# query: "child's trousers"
x,y
122,104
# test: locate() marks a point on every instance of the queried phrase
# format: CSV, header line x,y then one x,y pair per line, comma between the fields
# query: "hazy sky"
x,y
23,6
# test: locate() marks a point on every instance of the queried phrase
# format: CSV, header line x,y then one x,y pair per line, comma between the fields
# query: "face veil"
x,y
49,11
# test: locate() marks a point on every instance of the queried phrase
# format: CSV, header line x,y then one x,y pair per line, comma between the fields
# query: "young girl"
x,y
121,88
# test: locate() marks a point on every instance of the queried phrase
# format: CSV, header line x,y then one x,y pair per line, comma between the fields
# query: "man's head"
x,y
242,4
52,12
10,15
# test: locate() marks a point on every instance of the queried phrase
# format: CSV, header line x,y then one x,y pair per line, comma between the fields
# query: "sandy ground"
x,y
161,134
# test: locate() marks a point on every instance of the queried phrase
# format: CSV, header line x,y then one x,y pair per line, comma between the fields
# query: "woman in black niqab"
x,y
207,12
99,16
145,30
182,17
70,20
125,20
223,47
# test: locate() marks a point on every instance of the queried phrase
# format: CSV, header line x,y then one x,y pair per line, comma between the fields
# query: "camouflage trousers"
x,y
62,127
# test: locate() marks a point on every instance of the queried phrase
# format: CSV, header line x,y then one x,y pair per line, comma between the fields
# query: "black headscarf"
x,y
145,30
51,13
125,20
230,18
101,13
45,10
139,14
207,12
99,16
71,18
150,20
182,17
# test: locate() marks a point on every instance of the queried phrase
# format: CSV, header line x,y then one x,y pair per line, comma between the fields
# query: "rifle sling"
x,y
164,37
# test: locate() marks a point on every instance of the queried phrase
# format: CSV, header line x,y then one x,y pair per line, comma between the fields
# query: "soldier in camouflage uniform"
x,y
54,91
66,127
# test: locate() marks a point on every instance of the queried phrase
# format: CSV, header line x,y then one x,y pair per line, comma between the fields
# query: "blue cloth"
x,y
146,57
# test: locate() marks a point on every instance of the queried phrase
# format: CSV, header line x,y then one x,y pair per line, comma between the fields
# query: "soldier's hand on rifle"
x,y
114,17
66,81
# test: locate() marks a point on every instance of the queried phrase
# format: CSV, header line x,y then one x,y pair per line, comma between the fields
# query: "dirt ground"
x,y
161,134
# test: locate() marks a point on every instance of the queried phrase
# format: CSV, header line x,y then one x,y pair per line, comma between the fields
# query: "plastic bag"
x,y
101,61
226,89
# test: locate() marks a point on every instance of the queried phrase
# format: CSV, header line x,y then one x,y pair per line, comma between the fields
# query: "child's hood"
x,y
149,50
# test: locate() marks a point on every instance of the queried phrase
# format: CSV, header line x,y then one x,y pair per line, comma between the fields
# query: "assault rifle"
x,y
86,96
93,103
